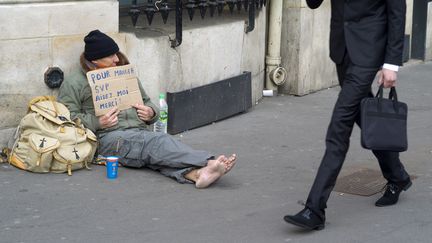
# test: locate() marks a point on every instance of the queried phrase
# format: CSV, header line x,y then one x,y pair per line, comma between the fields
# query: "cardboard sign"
x,y
114,87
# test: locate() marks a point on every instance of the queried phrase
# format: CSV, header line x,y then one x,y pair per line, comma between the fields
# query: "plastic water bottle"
x,y
162,123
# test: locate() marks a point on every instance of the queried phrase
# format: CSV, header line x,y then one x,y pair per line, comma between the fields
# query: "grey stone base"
x,y
5,136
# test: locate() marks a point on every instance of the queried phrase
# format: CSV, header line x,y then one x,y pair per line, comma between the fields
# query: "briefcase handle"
x,y
392,96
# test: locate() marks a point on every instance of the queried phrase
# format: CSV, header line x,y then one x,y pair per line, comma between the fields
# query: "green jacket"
x,y
76,94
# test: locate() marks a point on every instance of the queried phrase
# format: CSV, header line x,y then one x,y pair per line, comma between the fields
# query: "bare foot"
x,y
214,170
230,162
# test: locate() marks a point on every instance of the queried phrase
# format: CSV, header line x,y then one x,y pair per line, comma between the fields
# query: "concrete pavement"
x,y
279,144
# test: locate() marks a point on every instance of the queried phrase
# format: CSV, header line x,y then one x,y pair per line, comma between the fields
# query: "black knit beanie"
x,y
99,45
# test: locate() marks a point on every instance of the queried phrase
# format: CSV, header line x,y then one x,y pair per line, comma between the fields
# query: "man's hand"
x,y
387,77
145,113
110,119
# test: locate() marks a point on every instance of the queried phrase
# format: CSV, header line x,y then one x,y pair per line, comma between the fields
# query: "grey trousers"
x,y
139,148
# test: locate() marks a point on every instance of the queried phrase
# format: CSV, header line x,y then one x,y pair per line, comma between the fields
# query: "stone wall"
x,y
208,53
51,34
428,54
305,52
37,35
409,14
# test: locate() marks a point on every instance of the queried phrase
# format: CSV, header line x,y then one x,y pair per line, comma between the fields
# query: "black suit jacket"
x,y
372,31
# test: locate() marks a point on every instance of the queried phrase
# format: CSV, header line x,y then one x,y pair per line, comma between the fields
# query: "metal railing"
x,y
205,7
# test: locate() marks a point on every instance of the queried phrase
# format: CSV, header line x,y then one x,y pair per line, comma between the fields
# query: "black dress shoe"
x,y
306,219
391,194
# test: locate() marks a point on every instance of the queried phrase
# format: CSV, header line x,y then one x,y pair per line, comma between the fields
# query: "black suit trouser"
x,y
355,82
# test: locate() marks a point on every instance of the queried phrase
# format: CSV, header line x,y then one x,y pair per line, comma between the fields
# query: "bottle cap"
x,y
161,96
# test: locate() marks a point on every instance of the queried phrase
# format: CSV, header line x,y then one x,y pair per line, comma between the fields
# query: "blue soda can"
x,y
112,167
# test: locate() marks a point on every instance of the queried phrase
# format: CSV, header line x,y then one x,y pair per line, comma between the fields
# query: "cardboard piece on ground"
x,y
114,87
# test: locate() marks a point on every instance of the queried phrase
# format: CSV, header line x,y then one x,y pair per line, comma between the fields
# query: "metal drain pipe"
x,y
275,74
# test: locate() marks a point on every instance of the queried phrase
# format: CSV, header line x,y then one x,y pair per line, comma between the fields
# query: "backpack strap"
x,y
45,98
41,98
49,108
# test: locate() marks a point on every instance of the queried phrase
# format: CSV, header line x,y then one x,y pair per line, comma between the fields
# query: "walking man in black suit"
x,y
366,36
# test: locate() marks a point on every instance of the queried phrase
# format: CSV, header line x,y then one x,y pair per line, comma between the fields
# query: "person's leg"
x,y
210,173
138,148
391,167
392,170
201,176
177,160
389,162
161,152
315,220
355,87
398,179
113,144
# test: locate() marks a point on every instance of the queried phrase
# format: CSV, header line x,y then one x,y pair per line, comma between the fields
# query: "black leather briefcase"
x,y
384,122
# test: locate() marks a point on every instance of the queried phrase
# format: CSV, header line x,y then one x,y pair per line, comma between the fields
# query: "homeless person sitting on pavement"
x,y
125,133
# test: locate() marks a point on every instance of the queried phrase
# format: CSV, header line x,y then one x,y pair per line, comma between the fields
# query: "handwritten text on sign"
x,y
114,87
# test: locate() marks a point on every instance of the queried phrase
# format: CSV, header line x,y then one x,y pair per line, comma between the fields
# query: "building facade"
x,y
41,34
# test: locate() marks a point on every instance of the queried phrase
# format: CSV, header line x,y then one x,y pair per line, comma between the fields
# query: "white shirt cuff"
x,y
391,67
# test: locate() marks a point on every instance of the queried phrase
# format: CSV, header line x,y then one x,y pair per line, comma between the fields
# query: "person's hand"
x,y
145,113
387,77
110,119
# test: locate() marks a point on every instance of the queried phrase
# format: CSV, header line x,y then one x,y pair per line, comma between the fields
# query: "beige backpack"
x,y
47,140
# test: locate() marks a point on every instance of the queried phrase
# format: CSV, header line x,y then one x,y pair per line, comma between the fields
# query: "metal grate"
x,y
363,182
150,8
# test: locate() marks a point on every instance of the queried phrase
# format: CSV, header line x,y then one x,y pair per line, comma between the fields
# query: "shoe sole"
x,y
318,227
